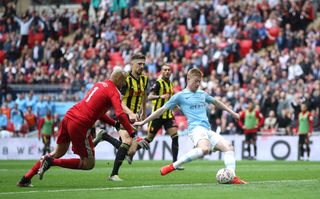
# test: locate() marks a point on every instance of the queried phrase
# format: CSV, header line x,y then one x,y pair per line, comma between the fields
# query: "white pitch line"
x,y
147,187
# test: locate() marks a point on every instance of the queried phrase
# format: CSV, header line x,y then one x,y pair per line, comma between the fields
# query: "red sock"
x,y
72,163
33,171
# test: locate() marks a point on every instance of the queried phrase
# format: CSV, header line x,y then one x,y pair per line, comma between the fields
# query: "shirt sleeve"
x,y
173,101
209,99
122,117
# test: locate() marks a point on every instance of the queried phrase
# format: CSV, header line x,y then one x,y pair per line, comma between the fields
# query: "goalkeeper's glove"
x,y
141,142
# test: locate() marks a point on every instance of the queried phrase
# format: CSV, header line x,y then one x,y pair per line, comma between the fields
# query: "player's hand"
x,y
165,96
117,125
132,117
138,123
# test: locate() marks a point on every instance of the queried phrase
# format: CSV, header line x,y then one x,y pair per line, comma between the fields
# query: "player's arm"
x,y
108,120
121,115
132,115
153,116
142,114
154,93
240,121
221,105
260,119
173,101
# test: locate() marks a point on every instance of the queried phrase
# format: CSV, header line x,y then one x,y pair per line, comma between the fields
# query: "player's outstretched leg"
x,y
122,152
229,158
194,154
25,181
103,135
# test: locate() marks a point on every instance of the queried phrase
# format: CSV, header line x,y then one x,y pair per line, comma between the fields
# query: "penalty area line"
x,y
147,187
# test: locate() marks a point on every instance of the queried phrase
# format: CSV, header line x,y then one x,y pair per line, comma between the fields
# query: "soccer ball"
x,y
224,176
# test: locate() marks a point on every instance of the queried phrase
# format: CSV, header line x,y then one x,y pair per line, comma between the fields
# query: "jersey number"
x,y
89,97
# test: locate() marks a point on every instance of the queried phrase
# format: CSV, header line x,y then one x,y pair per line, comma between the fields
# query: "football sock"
x,y
72,163
249,150
34,170
122,152
308,150
230,161
194,154
115,142
175,147
301,150
255,150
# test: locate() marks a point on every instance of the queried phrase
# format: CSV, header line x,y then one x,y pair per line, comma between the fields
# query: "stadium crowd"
x,y
261,51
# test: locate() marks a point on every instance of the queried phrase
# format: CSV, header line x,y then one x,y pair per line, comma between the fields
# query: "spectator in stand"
x,y
31,119
24,24
284,122
6,110
270,123
17,119
21,102
3,121
41,107
31,100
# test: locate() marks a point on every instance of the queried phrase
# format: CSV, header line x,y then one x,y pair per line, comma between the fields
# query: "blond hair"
x,y
194,72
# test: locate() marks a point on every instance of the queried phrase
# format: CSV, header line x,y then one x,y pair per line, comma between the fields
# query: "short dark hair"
x,y
138,56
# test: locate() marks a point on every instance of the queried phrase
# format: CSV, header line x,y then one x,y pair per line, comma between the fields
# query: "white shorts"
x,y
199,133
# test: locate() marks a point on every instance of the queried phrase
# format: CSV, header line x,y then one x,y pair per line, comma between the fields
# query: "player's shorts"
x,y
157,124
46,139
199,133
78,135
251,136
303,139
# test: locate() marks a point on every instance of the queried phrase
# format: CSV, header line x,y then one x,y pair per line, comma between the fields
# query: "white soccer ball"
x,y
224,176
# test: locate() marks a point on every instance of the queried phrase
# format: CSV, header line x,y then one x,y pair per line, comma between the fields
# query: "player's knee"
x,y
88,164
206,149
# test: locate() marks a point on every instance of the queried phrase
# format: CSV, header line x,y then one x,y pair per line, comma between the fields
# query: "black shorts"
x,y
251,136
303,139
157,124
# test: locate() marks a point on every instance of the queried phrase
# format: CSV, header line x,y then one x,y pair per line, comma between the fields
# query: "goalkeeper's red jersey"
x,y
99,99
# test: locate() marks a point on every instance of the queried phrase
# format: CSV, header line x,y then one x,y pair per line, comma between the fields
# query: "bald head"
x,y
118,77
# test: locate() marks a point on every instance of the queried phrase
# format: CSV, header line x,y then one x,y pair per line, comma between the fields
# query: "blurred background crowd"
x,y
265,51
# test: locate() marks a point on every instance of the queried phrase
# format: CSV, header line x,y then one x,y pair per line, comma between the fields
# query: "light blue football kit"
x,y
193,105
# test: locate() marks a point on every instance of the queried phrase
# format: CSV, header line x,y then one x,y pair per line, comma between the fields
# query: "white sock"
x,y
230,161
194,154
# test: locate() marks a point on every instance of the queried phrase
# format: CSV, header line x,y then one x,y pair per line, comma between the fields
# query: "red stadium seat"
x,y
245,46
116,58
2,55
136,23
318,50
188,53
182,30
222,45
274,31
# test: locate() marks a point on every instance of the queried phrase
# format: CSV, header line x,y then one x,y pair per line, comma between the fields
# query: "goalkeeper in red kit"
x,y
76,125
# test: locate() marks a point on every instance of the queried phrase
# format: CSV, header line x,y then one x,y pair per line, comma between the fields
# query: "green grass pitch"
x,y
142,180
